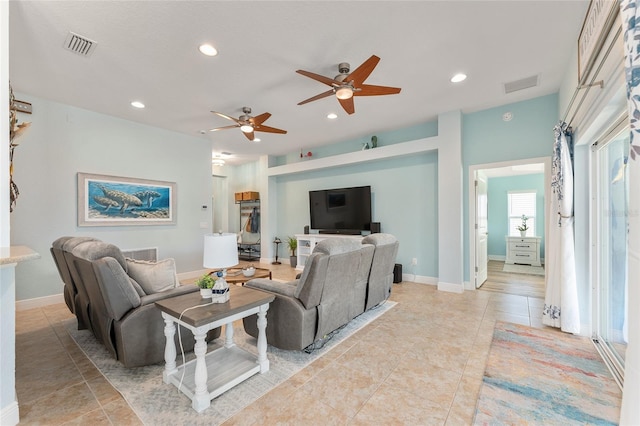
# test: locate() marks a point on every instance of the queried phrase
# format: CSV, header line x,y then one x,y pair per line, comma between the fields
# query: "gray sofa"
x,y
112,305
337,284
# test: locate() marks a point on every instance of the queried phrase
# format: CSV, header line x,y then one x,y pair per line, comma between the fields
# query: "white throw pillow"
x,y
153,277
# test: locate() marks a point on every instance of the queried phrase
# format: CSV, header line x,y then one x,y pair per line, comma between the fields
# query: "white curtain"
x,y
561,299
630,412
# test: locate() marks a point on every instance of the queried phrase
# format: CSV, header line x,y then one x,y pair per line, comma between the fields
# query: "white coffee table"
x,y
211,374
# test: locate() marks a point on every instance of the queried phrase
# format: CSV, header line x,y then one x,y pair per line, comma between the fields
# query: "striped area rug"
x,y
543,376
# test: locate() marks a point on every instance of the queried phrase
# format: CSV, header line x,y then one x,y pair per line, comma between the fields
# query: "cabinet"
x,y
523,250
306,243
249,247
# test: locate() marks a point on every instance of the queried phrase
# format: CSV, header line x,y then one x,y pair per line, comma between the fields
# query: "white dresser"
x,y
523,250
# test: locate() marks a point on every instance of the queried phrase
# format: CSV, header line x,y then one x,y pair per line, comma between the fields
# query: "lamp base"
x,y
276,263
220,291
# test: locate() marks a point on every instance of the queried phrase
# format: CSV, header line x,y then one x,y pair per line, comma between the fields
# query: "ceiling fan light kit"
x,y
344,92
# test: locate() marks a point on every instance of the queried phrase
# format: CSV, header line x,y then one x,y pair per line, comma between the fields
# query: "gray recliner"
x,y
75,295
324,298
381,274
120,315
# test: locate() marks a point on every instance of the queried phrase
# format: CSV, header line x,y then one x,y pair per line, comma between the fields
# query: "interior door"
x,y
482,233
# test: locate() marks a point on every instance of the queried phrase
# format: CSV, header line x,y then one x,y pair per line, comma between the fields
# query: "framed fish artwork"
x,y
121,201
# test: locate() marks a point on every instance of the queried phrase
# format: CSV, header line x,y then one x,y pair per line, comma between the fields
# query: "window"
x,y
522,203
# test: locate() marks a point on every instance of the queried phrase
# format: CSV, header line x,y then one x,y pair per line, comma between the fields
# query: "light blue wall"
x,y
497,190
64,140
404,201
486,138
418,131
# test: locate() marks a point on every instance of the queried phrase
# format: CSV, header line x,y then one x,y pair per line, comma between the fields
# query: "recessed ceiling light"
x,y
458,78
332,116
256,139
137,104
207,49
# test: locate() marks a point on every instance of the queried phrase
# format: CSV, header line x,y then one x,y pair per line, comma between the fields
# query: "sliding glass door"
x,y
611,185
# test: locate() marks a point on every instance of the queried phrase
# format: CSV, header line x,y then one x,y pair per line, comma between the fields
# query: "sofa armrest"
x,y
284,289
290,325
178,291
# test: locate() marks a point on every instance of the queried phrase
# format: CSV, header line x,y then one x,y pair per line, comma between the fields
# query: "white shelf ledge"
x,y
375,154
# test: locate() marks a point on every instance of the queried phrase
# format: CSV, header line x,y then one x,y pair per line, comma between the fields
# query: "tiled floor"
x,y
420,363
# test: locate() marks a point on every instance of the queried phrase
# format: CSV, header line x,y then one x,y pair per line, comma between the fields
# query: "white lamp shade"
x,y
220,251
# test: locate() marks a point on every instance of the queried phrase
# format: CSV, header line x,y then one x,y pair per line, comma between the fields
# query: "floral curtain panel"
x,y
561,299
630,13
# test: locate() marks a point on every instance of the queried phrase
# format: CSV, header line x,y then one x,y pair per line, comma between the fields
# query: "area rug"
x,y
523,269
543,376
157,403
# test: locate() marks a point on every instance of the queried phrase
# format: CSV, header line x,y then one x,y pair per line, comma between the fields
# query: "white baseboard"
x,y
420,279
497,257
450,287
10,415
38,302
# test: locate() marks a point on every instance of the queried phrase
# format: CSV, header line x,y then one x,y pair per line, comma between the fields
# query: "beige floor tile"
x,y
304,408
60,406
433,383
392,406
514,318
343,388
102,390
94,418
120,413
439,354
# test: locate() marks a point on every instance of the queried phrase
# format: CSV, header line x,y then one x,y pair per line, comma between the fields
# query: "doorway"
x,y
490,224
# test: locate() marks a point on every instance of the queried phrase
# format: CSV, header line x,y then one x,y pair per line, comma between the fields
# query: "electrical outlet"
x,y
414,261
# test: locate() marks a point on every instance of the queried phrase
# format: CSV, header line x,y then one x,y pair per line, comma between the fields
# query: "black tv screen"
x,y
343,209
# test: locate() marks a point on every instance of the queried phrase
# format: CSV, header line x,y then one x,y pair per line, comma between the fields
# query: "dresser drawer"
x,y
522,246
524,256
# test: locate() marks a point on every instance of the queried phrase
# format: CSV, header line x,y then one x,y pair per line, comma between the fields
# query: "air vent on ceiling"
x,y
79,44
521,84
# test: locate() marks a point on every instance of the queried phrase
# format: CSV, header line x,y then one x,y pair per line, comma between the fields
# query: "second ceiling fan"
x,y
249,124
346,85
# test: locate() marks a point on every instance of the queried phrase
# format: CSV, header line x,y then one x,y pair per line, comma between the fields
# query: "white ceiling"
x,y
148,51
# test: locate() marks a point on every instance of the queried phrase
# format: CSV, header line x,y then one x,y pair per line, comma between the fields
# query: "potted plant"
x,y
523,226
206,283
292,243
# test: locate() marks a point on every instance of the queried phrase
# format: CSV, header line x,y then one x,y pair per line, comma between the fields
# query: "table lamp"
x,y
220,252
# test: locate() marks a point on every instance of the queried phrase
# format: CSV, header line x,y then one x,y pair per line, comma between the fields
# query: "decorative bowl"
x,y
249,271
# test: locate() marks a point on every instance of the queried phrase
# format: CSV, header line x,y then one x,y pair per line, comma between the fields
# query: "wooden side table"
x,y
241,279
211,374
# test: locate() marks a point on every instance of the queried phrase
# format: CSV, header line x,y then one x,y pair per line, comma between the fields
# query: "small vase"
x,y
206,293
523,233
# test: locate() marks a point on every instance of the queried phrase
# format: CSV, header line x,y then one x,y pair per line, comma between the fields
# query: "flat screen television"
x,y
342,210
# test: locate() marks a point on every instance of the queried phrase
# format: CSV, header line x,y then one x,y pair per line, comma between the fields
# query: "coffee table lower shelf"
x,y
226,367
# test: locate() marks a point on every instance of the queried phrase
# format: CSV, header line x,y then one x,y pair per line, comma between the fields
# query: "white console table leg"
x,y
201,399
170,348
263,361
228,335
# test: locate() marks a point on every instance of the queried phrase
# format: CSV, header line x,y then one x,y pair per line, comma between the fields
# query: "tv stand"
x,y
340,231
306,243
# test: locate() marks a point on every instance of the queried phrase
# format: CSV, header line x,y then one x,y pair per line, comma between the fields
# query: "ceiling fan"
x,y
347,85
249,124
